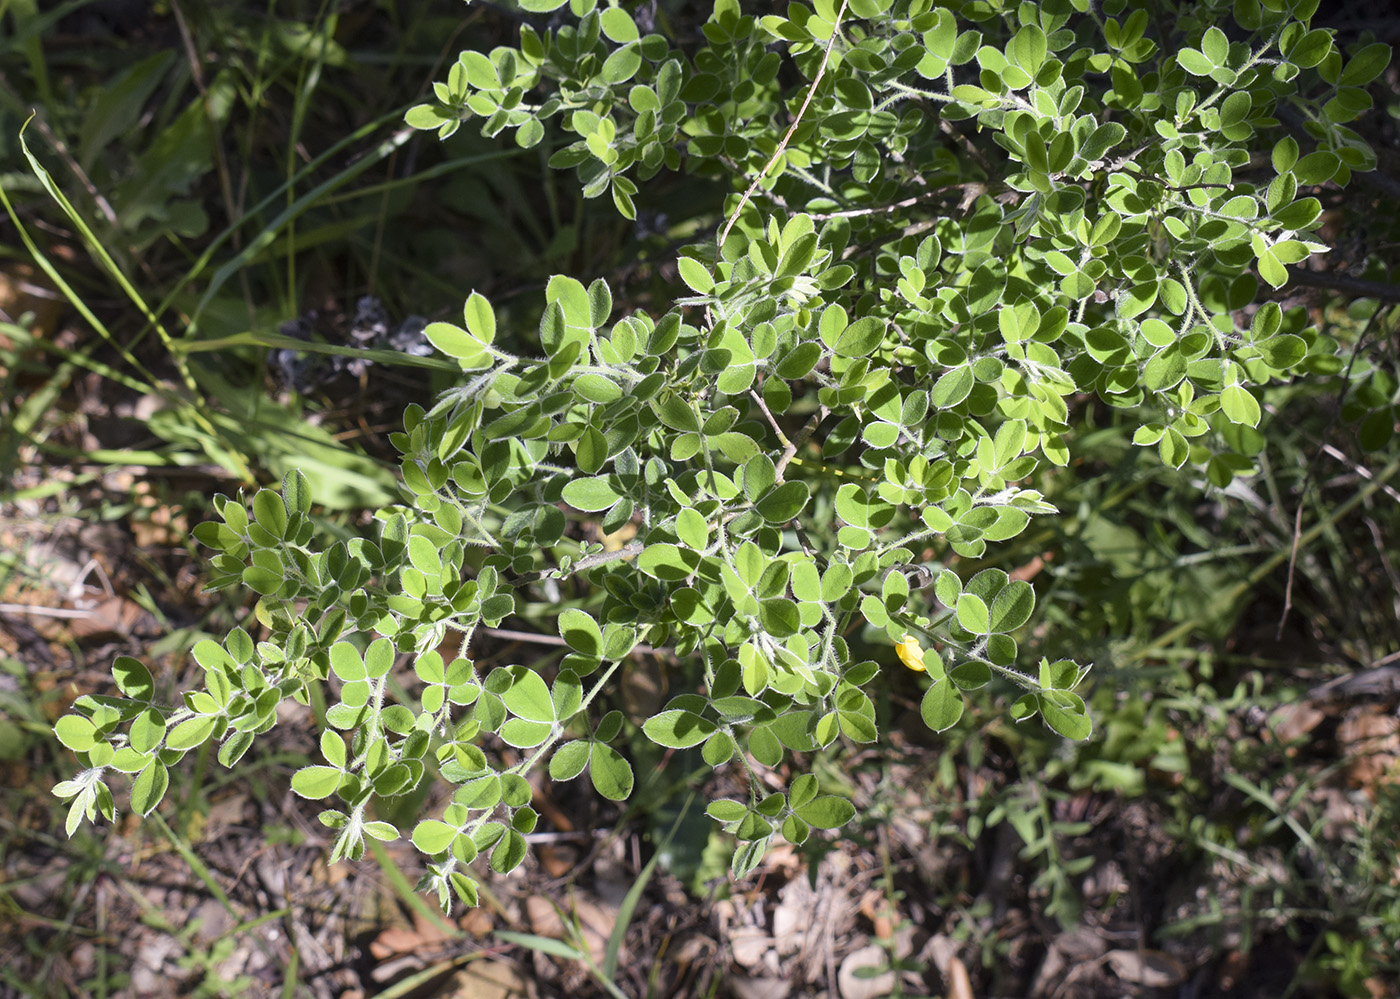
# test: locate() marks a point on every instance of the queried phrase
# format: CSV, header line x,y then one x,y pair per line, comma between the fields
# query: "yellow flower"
x,y
911,653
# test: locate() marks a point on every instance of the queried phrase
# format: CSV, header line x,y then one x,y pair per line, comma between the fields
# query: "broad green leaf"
x,y
860,337
1239,406
346,662
973,614
76,732
667,562
826,812
581,632
149,788
432,836
1282,352
569,760
784,503
191,733
528,694
147,731
317,782
952,387
610,773
133,678
510,852
942,705
480,319
695,274
592,494
1011,608
678,729
1064,712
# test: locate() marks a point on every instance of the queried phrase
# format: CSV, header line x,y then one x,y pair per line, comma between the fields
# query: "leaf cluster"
x,y
979,217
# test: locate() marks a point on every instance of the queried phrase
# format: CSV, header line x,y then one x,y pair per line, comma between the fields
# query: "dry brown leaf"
x,y
592,920
761,988
748,945
865,986
1293,721
1369,737
407,940
959,983
1150,968
23,289
487,980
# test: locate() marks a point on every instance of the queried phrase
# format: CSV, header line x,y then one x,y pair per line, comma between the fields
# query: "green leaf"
x,y
569,760
528,694
736,447
510,852
1065,713
457,342
1239,406
1011,608
316,782
1365,64
832,324
678,729
942,705
433,837
952,387
523,733
860,338
618,25
692,529
592,494
826,811
591,450
610,773
76,732
581,632
973,614
1173,448
191,733
1282,352
149,787
779,617
346,662
147,730
784,503
480,319
1310,49
667,562
133,678
695,274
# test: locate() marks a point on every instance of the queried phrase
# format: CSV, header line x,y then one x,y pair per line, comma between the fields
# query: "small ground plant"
x,y
950,231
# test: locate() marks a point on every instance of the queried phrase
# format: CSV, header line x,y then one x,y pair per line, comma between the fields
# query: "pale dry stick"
x,y
1312,465
36,611
71,162
1359,469
807,431
782,146
539,638
772,422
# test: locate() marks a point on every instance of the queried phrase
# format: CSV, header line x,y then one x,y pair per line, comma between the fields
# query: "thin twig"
x,y
782,146
790,451
1360,470
774,423
629,550
539,638
1312,466
44,611
1342,282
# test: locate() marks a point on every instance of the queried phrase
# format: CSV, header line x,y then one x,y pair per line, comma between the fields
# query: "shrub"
x,y
961,229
